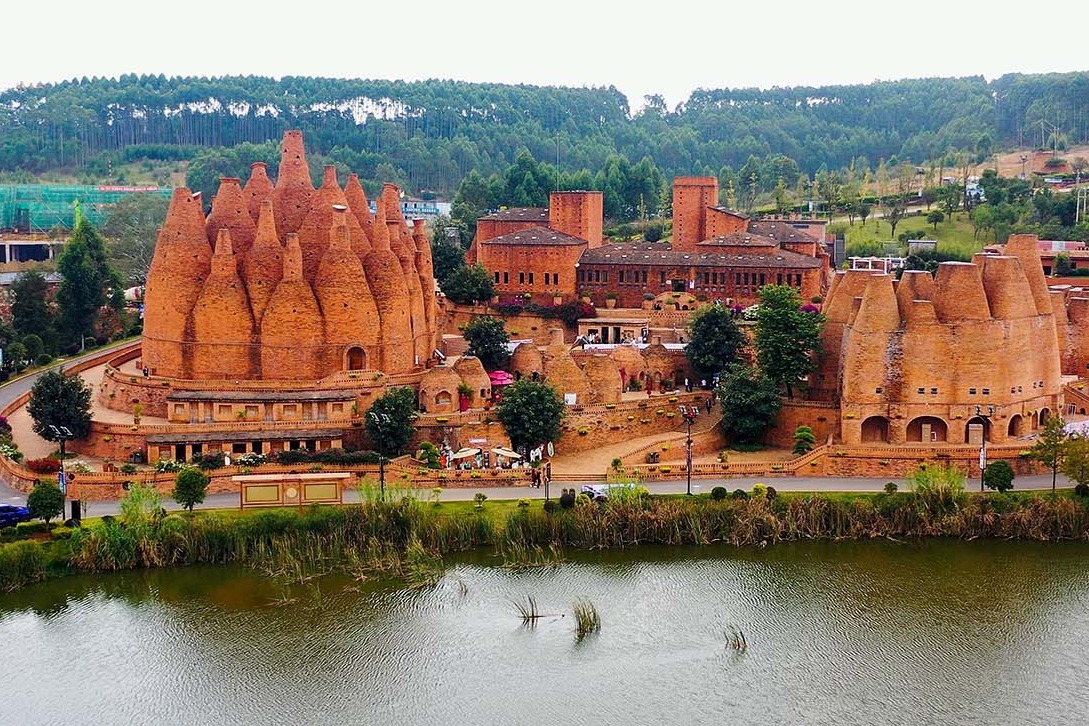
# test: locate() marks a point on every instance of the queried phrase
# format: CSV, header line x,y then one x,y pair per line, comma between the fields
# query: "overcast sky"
x,y
667,48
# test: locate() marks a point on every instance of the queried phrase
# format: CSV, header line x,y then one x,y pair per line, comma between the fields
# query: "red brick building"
x,y
714,253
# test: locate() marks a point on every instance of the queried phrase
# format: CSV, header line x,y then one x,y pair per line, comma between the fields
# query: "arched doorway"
x,y
1015,427
984,423
357,359
928,429
875,430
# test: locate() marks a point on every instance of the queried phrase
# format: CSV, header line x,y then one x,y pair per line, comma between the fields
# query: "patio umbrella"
x,y
500,378
465,453
503,451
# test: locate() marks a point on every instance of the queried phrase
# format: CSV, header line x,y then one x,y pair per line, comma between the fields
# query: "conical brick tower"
x,y
361,208
258,188
263,264
342,290
292,331
229,211
315,229
222,322
383,270
293,191
425,266
405,249
181,263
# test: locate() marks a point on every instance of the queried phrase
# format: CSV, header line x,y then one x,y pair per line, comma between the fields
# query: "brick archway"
x,y
875,429
356,358
936,427
1016,426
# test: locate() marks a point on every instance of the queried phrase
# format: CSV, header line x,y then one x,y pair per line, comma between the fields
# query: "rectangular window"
x,y
506,278
986,391
879,389
496,277
920,390
933,391
779,279
662,275
737,279
521,278
605,276
971,391
531,278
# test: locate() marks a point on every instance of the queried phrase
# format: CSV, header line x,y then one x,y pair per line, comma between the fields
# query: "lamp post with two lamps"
x,y
986,416
379,420
62,434
689,414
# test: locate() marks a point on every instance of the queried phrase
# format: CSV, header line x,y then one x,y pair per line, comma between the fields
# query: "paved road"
x,y
785,484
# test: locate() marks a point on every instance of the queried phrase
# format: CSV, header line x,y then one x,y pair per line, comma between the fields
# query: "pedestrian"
x,y
703,383
709,403
687,385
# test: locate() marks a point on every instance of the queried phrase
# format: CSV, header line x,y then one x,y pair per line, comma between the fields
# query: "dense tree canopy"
x,y
531,411
787,337
390,420
88,282
713,339
488,338
59,402
750,403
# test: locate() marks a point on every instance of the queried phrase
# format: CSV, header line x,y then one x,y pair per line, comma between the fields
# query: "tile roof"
x,y
657,253
535,236
520,214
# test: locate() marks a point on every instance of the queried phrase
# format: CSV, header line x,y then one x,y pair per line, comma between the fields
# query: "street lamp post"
x,y
62,434
689,413
379,419
986,416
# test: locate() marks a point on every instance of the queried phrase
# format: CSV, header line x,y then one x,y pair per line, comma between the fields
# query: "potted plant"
x,y
610,299
557,298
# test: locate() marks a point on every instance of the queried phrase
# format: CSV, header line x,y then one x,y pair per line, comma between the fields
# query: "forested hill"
x,y
428,135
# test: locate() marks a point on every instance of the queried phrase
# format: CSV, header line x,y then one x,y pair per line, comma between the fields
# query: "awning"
x,y
503,451
500,378
465,453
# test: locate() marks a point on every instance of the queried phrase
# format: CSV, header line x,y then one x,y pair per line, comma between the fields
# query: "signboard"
x,y
551,449
62,482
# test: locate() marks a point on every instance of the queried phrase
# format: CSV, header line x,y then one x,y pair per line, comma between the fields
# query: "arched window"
x,y
357,358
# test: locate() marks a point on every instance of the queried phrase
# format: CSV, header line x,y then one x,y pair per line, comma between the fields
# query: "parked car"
x,y
600,492
12,514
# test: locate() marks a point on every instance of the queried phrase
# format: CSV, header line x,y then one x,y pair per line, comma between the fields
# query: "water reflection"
x,y
846,633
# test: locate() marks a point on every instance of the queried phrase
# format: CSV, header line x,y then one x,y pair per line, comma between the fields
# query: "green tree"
x,y
132,228
998,476
1050,446
803,440
787,337
190,487
87,283
935,218
469,285
487,338
1076,459
531,412
30,310
750,403
713,339
391,420
59,402
45,501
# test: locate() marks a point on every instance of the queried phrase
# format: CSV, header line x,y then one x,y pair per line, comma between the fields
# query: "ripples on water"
x,y
843,633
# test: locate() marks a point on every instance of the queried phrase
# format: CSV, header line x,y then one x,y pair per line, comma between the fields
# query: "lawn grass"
x,y
955,235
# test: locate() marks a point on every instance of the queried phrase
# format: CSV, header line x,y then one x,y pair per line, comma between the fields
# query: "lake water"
x,y
939,632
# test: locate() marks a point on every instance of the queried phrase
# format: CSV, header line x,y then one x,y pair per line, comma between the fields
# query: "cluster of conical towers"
x,y
287,282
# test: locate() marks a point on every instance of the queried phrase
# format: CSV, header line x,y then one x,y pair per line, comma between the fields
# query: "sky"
x,y
641,48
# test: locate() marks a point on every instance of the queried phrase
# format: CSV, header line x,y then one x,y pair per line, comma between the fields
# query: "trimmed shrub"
x,y
1082,490
890,487
719,493
48,465
739,494
550,506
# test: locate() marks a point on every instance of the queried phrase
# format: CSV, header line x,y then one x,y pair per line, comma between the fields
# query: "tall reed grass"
x,y
406,538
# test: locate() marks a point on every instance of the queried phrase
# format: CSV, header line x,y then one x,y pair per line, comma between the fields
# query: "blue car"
x,y
12,514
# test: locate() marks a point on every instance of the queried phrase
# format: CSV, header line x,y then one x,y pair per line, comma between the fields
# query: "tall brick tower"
x,y
292,328
405,248
390,291
342,290
229,211
692,196
222,320
263,263
294,188
578,214
258,189
181,262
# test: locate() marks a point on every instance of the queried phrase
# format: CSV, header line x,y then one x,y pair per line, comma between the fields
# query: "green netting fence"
x,y
43,208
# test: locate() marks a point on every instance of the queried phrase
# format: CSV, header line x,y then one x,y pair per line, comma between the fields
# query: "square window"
x,y
986,391
921,390
971,391
879,389
933,391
